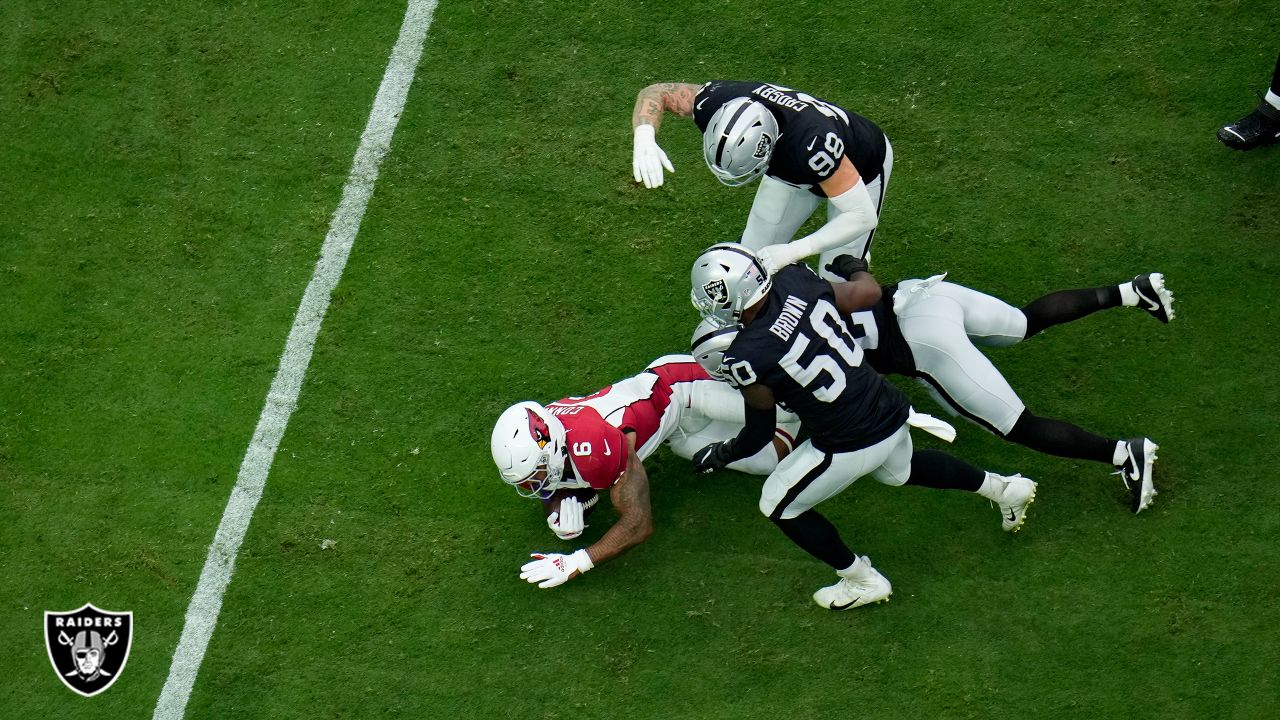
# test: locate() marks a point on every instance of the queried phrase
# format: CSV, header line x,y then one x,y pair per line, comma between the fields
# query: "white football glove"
x,y
647,159
776,257
568,523
554,569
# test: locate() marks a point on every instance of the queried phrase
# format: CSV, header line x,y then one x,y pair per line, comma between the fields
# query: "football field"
x,y
171,172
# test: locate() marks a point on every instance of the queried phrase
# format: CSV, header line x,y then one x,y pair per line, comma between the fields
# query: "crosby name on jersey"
x,y
814,134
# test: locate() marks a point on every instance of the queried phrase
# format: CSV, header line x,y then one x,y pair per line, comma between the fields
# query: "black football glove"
x,y
713,457
846,265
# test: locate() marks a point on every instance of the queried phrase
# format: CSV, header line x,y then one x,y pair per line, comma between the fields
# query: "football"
x,y
589,497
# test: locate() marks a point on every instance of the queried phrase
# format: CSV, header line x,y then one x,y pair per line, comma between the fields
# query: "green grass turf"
x,y
170,170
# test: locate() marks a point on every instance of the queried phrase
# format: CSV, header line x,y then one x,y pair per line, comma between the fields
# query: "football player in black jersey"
x,y
928,329
794,348
806,149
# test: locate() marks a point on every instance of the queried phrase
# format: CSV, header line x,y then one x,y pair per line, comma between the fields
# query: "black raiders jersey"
x,y
800,348
814,135
876,329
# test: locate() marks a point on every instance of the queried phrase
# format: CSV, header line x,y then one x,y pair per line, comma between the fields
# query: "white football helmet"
x,y
727,279
739,141
528,447
709,343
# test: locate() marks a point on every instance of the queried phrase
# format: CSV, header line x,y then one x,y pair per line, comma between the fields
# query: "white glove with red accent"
x,y
568,522
647,159
551,570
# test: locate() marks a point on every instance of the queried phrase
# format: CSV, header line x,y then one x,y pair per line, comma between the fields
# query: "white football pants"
x,y
941,325
808,476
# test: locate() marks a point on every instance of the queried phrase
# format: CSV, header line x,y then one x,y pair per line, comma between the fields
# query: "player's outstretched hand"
x,y
550,570
569,522
712,457
647,159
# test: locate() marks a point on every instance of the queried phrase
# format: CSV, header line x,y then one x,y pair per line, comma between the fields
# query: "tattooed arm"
x,y
630,496
658,98
647,159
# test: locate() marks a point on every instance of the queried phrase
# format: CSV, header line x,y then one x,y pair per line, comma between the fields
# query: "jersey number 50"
x,y
826,322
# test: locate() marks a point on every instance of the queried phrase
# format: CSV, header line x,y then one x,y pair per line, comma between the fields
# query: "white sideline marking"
x,y
282,398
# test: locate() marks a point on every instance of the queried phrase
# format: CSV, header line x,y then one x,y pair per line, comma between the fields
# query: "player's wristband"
x,y
582,559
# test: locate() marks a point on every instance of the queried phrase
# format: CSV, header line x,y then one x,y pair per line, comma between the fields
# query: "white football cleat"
x,y
1016,496
1136,473
1153,296
859,585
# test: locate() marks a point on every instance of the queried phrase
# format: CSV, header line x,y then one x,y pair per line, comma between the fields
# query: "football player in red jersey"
x,y
598,442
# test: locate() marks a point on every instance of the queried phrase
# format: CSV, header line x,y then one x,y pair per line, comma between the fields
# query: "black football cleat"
x,y
1140,455
1260,127
1153,296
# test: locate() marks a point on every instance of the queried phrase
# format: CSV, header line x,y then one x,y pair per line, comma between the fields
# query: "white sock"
x,y
1273,99
1128,296
1120,454
849,570
992,486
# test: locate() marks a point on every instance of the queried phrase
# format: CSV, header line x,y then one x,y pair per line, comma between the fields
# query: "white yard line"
x,y
282,398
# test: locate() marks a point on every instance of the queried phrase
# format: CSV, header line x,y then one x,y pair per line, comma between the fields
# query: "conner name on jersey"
x,y
792,313
565,409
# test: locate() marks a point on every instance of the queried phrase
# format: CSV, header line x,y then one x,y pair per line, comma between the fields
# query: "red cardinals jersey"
x,y
597,450
642,403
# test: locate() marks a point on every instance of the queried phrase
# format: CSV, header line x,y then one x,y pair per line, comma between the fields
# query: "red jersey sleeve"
x,y
597,450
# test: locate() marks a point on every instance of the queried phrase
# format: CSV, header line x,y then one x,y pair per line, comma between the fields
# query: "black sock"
x,y
1063,439
1275,77
936,469
817,536
1067,305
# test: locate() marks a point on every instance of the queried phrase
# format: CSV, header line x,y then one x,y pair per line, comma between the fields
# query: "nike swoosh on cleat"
x,y
1147,303
847,605
1014,518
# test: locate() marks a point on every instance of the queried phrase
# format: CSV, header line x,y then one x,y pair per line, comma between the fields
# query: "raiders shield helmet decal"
x,y
763,148
88,647
718,293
